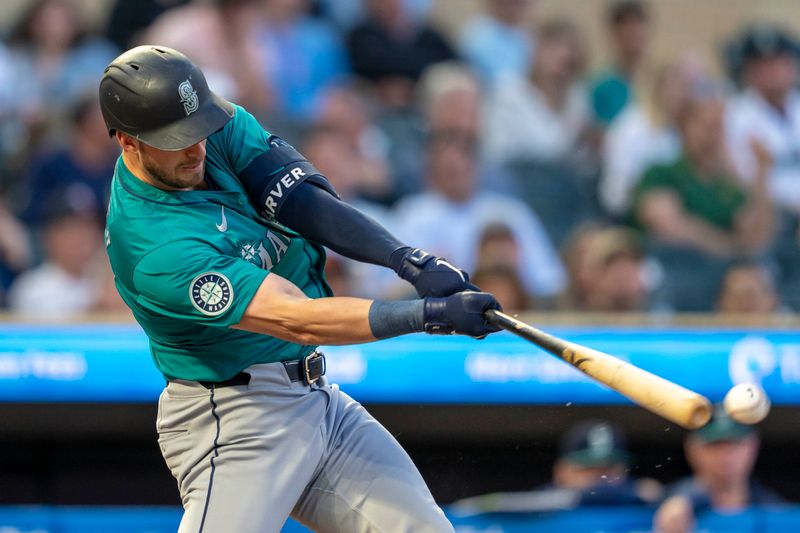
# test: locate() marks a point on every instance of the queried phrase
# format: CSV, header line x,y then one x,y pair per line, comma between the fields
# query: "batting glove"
x,y
461,313
430,275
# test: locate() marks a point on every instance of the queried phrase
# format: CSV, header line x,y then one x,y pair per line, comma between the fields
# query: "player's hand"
x,y
431,275
460,313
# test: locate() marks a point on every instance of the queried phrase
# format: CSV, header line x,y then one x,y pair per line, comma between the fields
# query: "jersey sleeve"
x,y
241,140
269,168
190,280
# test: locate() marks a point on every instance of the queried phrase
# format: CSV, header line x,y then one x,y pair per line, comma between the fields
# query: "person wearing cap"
x,y
767,112
721,455
592,468
215,233
593,460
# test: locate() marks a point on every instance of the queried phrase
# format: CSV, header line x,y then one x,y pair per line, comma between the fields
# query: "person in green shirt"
x,y
215,233
698,201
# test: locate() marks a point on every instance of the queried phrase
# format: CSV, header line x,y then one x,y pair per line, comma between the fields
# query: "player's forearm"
x,y
281,310
329,321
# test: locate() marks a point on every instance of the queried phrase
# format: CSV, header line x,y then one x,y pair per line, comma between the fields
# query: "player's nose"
x,y
196,151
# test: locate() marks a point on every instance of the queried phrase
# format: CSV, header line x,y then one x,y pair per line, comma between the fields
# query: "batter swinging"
x,y
215,233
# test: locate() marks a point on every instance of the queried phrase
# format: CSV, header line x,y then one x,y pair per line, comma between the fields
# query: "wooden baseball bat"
x,y
656,394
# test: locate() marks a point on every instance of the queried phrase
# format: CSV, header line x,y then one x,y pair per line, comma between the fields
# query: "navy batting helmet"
x,y
157,95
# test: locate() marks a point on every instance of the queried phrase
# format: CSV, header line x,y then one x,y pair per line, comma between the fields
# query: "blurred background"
x,y
625,173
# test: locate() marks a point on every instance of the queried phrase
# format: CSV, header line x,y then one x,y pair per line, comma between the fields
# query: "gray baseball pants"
x,y
248,456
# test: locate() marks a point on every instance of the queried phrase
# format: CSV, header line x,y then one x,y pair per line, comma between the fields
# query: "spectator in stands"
x,y
346,113
498,41
15,250
721,455
347,13
56,59
544,115
222,38
768,111
593,460
504,283
53,61
606,271
497,268
449,96
498,246
451,214
391,49
66,282
127,20
629,31
9,127
645,133
697,201
592,468
86,163
304,57
748,288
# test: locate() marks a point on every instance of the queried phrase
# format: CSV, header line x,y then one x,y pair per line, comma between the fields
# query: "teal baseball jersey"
x,y
188,263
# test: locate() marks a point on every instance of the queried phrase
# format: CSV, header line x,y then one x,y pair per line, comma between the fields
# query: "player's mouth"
x,y
192,166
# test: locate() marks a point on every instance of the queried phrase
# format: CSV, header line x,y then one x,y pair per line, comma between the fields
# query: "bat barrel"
x,y
700,414
656,394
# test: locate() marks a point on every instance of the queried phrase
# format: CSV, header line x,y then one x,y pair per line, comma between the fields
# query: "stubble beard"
x,y
174,179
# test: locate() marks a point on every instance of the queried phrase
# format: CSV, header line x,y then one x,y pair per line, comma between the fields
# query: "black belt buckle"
x,y
313,367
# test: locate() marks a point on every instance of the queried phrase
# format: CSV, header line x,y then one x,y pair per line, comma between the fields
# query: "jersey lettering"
x,y
265,257
278,245
287,181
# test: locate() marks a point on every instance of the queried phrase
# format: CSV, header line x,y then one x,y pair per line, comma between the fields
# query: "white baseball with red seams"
x,y
747,403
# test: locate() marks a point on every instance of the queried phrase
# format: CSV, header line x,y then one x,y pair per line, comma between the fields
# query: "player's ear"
x,y
128,143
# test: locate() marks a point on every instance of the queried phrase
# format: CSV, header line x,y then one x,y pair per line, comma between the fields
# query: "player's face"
x,y
183,169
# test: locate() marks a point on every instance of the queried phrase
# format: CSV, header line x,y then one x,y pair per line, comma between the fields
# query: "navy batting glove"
x,y
461,313
430,275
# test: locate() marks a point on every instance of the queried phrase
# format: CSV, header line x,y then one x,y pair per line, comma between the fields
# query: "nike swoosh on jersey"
x,y
223,226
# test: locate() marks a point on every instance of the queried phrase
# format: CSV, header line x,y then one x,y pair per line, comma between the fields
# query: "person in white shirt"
x,y
449,217
767,111
543,116
70,279
644,134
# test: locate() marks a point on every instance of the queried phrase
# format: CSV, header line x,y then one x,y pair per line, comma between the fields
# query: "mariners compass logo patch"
x,y
188,97
211,293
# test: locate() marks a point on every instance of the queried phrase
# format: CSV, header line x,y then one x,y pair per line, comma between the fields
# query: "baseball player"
x,y
215,233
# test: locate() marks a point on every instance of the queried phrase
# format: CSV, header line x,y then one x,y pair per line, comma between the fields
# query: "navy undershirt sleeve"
x,y
319,216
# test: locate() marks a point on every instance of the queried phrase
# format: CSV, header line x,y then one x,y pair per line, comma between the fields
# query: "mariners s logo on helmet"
x,y
188,97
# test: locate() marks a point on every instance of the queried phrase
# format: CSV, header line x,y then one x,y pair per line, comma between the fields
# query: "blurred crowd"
x,y
595,467
642,186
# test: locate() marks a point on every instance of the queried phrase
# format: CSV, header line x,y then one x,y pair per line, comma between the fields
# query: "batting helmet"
x,y
157,95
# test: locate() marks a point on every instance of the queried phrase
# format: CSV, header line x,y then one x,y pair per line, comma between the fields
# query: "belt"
x,y
308,370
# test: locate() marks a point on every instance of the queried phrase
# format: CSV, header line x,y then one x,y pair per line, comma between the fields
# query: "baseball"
x,y
747,403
